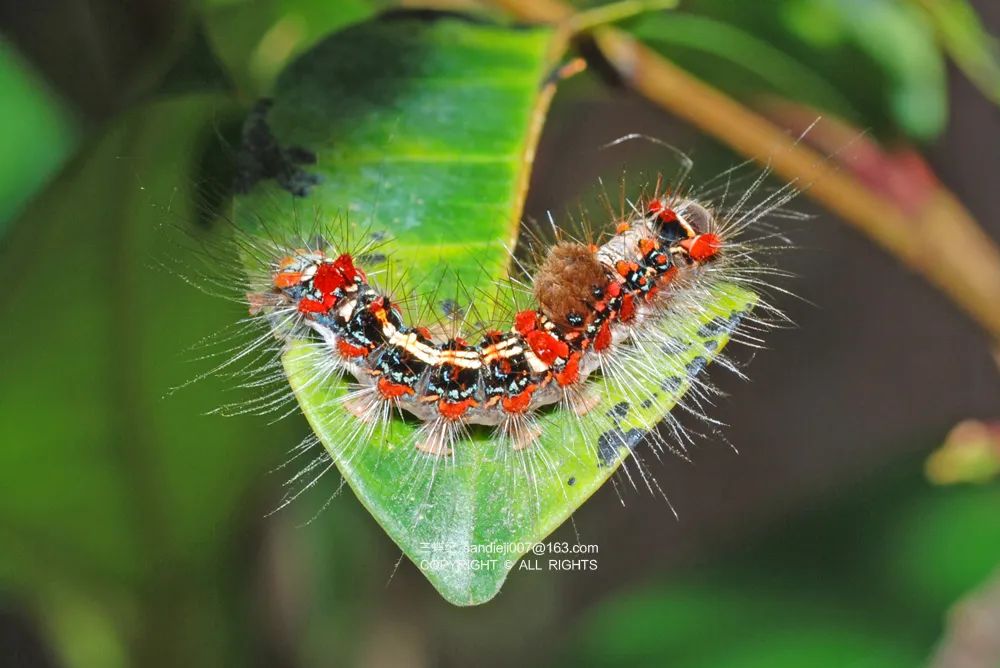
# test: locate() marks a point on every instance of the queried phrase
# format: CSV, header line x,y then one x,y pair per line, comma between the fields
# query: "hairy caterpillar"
x,y
589,300
602,307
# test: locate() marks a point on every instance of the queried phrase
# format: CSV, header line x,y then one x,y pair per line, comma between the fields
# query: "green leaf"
x,y
762,621
874,62
36,133
965,38
487,498
257,38
943,544
118,504
736,60
424,131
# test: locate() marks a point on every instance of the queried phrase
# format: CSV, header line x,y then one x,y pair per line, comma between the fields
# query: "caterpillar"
x,y
599,317
591,299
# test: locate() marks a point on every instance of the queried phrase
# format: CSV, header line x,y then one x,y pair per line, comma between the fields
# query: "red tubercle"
x,y
307,305
345,265
348,350
603,338
519,402
525,322
667,216
627,311
546,347
337,275
455,410
328,278
703,247
662,211
570,373
391,390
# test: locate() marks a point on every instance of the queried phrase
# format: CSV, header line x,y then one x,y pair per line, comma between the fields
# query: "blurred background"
x,y
854,527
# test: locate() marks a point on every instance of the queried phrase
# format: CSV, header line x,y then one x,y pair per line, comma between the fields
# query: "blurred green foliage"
x,y
132,526
862,580
36,133
113,494
256,39
872,62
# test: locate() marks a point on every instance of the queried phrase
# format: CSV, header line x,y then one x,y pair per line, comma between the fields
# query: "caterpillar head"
x,y
315,281
687,229
298,269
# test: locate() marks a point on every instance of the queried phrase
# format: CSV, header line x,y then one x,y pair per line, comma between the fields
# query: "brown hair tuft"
x,y
566,281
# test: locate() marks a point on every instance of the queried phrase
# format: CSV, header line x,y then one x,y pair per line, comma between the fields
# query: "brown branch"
x,y
939,238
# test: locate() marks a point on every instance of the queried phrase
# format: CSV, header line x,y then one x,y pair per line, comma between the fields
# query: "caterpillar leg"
x,y
526,436
436,438
434,446
584,400
362,406
518,431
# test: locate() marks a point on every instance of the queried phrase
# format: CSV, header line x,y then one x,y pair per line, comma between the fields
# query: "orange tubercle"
x,y
547,347
287,279
525,322
570,373
391,390
455,410
519,402
703,247
627,311
312,306
348,350
603,338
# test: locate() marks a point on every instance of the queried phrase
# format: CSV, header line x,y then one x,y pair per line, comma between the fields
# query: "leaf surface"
x,y
423,132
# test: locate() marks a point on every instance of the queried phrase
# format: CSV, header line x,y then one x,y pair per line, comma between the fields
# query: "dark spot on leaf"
x,y
261,157
721,325
672,348
696,365
452,308
610,443
714,327
647,403
619,410
670,385
371,259
711,345
571,481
